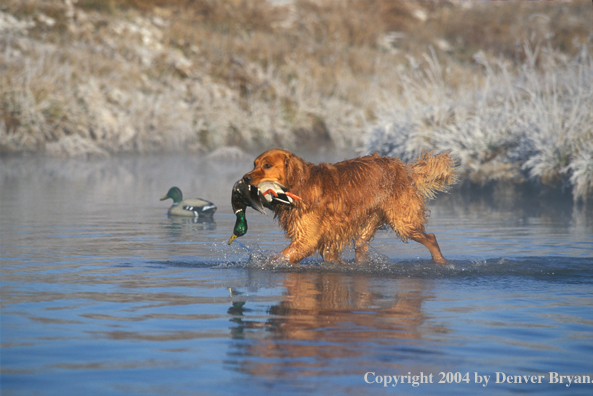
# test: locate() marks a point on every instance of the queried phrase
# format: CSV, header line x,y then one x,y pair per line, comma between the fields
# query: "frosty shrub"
x,y
533,124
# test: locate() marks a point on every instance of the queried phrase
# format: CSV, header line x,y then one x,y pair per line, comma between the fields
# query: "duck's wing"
x,y
244,195
199,206
206,210
276,192
195,202
283,199
254,199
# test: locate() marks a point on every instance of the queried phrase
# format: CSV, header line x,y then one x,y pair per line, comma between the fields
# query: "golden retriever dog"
x,y
348,201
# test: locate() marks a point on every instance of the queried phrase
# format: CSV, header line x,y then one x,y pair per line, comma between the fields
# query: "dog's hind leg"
x,y
367,232
361,248
430,241
406,214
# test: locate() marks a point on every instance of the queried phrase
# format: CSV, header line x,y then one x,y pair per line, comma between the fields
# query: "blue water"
x,y
103,294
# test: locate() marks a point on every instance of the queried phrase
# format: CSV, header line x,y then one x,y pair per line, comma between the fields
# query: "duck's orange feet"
x,y
270,191
293,196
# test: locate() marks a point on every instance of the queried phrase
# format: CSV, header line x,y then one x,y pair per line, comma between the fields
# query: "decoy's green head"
x,y
175,194
240,226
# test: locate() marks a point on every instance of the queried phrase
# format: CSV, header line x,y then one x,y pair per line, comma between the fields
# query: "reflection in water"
x,y
326,316
184,224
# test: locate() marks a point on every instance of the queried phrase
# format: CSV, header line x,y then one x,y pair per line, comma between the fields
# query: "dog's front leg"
x,y
304,235
295,252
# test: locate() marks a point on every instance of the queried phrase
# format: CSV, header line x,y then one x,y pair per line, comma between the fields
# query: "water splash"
x,y
549,268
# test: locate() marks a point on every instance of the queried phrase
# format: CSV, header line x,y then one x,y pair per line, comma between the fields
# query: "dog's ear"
x,y
294,168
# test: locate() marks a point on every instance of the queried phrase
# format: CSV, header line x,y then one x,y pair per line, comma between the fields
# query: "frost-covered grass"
x,y
532,124
105,77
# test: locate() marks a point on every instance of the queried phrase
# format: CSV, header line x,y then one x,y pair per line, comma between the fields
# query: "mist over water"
x,y
103,294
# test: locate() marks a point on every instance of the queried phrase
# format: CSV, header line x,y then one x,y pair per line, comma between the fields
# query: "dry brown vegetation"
x,y
108,76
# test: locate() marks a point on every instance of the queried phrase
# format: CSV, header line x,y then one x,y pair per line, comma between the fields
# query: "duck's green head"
x,y
175,194
240,226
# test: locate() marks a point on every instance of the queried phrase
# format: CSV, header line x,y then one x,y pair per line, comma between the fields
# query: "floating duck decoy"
x,y
193,207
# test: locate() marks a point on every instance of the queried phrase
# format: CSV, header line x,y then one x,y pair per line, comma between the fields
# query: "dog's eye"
x,y
267,166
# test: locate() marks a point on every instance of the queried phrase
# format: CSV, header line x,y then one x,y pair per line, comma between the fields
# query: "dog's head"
x,y
276,165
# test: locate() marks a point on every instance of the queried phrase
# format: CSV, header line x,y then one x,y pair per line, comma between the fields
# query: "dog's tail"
x,y
433,173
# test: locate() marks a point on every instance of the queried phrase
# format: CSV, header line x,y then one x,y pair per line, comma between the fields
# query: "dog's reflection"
x,y
324,305
334,308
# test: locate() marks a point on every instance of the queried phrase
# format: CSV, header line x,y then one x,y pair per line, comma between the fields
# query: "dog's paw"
x,y
275,261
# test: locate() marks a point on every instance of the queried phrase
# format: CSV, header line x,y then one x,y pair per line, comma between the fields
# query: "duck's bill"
x,y
233,237
163,198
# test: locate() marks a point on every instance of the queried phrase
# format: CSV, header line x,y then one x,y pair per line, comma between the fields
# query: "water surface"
x,y
103,294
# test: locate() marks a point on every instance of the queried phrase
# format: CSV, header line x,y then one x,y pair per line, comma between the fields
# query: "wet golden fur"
x,y
348,201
